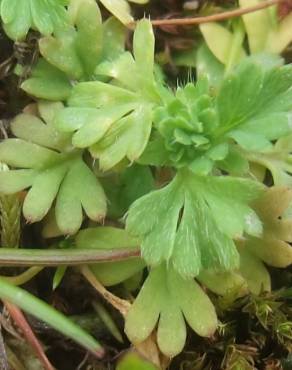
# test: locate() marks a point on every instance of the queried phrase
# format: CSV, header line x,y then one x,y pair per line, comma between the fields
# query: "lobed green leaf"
x,y
172,233
47,82
51,174
45,16
168,298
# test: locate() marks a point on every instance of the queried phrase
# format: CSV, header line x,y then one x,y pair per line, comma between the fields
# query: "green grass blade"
x,y
44,312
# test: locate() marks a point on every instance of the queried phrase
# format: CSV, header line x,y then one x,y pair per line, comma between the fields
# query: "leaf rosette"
x,y
186,125
48,164
203,130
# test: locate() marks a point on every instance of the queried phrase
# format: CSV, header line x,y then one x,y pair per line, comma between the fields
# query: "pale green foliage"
x,y
277,160
204,219
19,16
47,82
121,9
265,33
224,283
74,51
255,273
170,299
271,248
172,233
115,121
207,65
269,34
224,44
53,169
251,276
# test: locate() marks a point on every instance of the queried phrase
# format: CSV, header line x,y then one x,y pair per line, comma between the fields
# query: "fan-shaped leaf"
x,y
115,121
192,243
60,175
168,297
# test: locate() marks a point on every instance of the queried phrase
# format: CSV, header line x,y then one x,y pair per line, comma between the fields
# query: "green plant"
x,y
74,51
43,311
134,362
189,164
224,45
52,168
46,16
121,9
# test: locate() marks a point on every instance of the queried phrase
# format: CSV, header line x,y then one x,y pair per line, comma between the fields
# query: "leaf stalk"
x,y
67,257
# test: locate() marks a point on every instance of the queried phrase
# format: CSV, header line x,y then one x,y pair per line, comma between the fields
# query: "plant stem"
x,y
22,323
23,277
215,17
63,257
121,305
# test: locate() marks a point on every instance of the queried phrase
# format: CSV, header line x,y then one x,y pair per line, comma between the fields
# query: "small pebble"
x,y
191,5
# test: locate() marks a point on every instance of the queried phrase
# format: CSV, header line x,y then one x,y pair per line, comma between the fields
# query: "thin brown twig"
x,y
214,17
121,305
20,320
